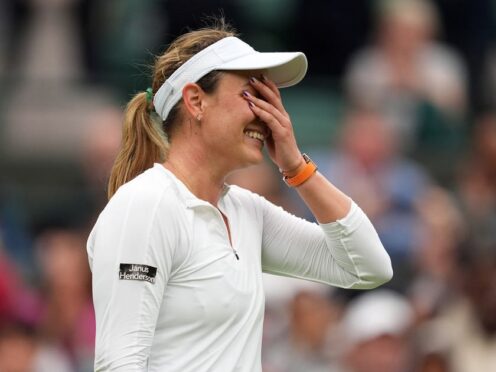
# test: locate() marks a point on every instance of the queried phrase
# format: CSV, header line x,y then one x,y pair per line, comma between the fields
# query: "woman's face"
x,y
232,134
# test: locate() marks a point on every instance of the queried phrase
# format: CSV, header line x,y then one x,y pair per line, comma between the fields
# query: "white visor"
x,y
283,68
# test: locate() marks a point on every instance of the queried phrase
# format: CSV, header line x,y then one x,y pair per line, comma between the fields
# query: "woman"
x,y
177,256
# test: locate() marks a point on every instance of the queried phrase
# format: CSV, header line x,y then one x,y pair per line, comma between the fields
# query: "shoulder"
x,y
440,52
145,208
251,202
142,199
244,197
146,190
443,59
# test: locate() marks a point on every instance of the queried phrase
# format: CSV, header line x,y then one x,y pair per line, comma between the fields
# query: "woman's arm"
x,y
131,252
326,202
346,250
346,253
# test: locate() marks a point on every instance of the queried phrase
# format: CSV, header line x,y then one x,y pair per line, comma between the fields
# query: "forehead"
x,y
238,78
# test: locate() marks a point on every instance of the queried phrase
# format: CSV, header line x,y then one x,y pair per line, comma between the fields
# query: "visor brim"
x,y
283,68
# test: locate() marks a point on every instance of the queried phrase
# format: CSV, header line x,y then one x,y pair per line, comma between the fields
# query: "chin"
x,y
253,157
257,156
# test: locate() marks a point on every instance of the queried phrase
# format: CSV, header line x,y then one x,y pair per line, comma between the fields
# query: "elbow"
x,y
380,268
384,275
376,276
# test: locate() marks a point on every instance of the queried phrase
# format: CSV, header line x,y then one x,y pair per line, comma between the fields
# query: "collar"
x,y
190,199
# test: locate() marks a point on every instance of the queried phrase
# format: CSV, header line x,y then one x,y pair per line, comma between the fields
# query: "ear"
x,y
193,97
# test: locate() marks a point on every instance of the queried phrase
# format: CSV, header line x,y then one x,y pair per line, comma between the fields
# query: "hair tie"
x,y
149,100
149,95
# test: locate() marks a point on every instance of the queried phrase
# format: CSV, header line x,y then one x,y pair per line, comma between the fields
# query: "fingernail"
x,y
245,93
263,77
251,104
253,80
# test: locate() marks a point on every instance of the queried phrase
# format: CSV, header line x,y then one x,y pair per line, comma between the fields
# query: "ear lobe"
x,y
193,99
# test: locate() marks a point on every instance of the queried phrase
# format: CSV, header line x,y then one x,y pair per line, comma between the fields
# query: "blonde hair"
x,y
144,136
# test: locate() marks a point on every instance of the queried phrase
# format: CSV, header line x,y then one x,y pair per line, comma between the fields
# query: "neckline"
x,y
191,199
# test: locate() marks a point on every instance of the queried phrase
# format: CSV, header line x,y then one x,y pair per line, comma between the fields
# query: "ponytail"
x,y
143,143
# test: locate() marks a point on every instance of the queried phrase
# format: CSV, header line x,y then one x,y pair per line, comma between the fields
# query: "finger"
x,y
268,94
267,107
268,118
273,87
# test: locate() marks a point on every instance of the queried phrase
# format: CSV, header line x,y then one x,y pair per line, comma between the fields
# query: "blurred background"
x,y
398,109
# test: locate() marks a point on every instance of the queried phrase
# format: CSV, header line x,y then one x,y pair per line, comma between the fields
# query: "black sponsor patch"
x,y
143,273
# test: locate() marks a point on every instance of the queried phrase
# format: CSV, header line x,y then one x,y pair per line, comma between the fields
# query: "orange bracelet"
x,y
309,169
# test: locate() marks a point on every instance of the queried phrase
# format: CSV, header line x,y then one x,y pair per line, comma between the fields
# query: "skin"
x,y
203,152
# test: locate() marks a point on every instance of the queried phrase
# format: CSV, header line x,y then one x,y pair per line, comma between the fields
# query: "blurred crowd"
x,y
414,146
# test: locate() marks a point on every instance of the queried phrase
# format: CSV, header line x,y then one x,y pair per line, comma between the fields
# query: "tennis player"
x,y
177,255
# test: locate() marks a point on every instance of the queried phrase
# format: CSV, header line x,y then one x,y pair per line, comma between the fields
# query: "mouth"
x,y
256,133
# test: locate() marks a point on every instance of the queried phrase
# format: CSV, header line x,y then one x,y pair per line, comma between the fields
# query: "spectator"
x,y
21,350
442,229
67,316
100,144
307,343
406,73
465,331
9,286
476,186
375,330
18,302
386,185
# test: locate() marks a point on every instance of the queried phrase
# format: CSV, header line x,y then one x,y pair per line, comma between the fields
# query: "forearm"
x,y
325,200
345,253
